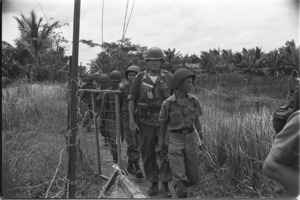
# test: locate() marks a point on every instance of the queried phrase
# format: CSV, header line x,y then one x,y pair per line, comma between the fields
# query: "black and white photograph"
x,y
158,99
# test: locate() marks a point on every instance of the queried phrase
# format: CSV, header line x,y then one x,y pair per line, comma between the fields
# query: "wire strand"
x,y
129,17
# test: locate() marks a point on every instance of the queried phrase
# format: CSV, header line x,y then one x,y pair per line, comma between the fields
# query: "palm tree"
x,y
172,56
290,58
35,35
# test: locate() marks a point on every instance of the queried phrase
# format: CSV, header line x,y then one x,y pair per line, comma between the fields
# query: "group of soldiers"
x,y
158,118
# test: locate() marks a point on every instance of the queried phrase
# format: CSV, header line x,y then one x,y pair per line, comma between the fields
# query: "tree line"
x,y
39,53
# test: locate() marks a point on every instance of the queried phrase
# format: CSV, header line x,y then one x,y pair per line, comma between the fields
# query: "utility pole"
x,y
74,78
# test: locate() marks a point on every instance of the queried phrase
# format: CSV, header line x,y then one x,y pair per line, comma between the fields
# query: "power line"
x,y
129,16
123,35
43,11
102,24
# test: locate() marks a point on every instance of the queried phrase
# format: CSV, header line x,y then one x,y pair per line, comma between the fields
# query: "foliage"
x,y
118,55
39,49
172,57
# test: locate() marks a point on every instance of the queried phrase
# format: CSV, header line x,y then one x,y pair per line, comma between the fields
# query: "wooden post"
x,y
96,132
69,89
118,130
74,77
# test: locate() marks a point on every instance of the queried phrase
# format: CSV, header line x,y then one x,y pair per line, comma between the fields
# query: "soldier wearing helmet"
x,y
179,117
133,153
147,92
85,97
103,82
167,66
108,112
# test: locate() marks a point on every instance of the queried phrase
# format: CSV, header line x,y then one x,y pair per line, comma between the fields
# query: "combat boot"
x,y
165,191
139,173
130,167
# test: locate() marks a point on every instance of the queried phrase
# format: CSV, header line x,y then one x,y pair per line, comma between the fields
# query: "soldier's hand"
x,y
133,126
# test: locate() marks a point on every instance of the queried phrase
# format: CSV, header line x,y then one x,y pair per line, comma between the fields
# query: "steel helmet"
x,y
181,74
132,68
115,75
154,53
103,78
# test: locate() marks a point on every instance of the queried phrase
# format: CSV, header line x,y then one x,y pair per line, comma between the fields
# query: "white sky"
x,y
189,26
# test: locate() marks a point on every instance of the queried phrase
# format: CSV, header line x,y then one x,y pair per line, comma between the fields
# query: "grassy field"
x,y
237,131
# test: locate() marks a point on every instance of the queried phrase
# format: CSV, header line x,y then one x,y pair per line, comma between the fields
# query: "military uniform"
x,y
103,81
130,136
182,146
108,115
149,97
87,100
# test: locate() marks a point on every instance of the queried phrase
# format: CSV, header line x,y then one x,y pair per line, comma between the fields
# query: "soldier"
x,y
103,84
85,97
179,115
133,153
282,162
167,66
108,112
147,92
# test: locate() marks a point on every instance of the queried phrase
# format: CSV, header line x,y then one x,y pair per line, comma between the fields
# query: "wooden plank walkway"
x,y
88,143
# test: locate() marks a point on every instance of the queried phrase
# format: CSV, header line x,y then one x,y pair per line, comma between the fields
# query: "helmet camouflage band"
x,y
154,53
181,74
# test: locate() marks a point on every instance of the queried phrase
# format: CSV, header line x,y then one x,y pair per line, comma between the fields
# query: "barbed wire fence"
x,y
92,143
101,147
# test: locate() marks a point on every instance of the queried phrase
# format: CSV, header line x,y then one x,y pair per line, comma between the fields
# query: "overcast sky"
x,y
189,26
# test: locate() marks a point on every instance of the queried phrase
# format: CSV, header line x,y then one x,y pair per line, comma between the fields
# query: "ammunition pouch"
x,y
143,111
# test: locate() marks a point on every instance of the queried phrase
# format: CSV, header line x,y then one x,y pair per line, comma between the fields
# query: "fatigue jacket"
x,y
180,116
125,89
108,106
149,96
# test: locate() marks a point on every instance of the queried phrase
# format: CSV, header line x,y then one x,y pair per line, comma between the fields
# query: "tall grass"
x,y
236,123
238,130
33,115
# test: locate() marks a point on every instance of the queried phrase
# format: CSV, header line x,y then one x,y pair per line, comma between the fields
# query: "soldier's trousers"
x,y
183,158
89,113
132,144
156,169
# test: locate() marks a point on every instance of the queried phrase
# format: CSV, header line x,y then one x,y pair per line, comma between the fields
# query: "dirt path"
x,y
88,143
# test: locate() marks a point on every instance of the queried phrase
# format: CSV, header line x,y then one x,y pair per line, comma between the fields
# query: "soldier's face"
x,y
104,85
115,85
131,76
154,65
187,85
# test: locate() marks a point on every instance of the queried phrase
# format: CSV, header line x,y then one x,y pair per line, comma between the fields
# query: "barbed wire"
x,y
60,158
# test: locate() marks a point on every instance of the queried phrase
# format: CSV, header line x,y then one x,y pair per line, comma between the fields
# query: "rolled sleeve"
x,y
164,113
